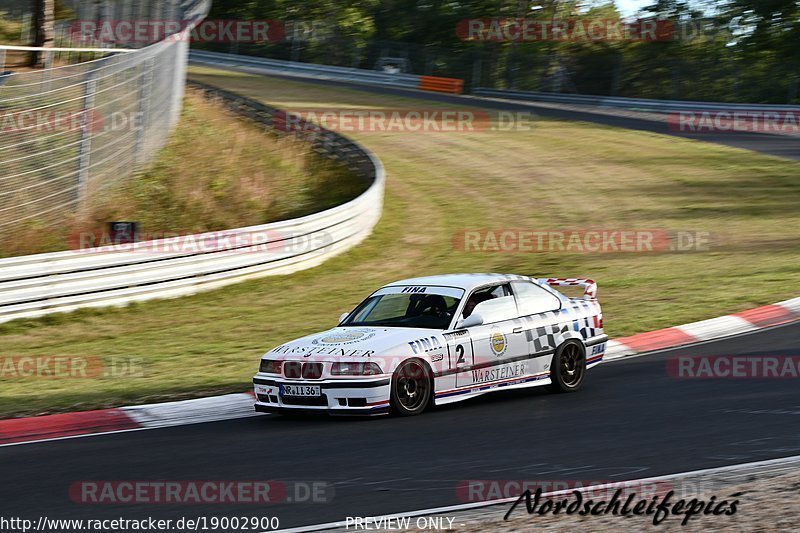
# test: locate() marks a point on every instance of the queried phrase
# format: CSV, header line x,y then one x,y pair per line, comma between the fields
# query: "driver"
x,y
433,304
474,300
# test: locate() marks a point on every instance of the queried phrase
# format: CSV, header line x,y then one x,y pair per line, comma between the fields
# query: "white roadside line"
x,y
707,330
696,343
174,414
475,505
67,437
48,49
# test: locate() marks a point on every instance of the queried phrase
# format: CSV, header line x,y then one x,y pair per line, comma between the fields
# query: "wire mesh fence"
x,y
71,131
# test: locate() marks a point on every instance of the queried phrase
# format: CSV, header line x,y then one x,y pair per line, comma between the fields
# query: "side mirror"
x,y
342,317
469,322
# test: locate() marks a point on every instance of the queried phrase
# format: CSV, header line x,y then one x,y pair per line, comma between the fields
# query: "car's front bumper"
x,y
351,396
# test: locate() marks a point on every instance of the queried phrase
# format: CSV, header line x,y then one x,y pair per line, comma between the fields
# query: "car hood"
x,y
356,342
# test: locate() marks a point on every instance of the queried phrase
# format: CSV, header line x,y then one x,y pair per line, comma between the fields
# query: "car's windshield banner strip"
x,y
421,289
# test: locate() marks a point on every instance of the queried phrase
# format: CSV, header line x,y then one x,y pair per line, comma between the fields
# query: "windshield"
x,y
407,307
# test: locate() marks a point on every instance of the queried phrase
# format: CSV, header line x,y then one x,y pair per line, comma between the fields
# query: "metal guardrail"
x,y
36,285
631,104
409,81
263,65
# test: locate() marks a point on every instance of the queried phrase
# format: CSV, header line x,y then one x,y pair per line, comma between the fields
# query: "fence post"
x,y
145,88
85,146
25,29
48,63
181,48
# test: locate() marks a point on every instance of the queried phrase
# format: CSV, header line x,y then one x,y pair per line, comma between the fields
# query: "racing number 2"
x,y
460,354
459,351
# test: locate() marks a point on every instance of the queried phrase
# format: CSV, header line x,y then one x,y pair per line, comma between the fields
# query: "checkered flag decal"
x,y
586,328
579,315
544,338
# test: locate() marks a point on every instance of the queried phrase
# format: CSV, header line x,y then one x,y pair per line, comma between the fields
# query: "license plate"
x,y
308,391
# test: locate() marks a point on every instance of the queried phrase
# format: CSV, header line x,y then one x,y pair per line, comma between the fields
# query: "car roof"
x,y
462,281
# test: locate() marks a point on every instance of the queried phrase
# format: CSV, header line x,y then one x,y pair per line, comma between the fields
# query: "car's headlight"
x,y
269,366
355,369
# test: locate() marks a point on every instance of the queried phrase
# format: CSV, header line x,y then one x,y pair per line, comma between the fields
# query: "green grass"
x,y
557,175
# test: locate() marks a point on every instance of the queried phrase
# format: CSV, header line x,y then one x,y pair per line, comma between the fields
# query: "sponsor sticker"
x,y
345,337
498,343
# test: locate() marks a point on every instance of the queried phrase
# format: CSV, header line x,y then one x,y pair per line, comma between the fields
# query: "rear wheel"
x,y
568,368
411,388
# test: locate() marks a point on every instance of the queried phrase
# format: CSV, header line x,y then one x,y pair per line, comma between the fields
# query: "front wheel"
x,y
411,388
568,367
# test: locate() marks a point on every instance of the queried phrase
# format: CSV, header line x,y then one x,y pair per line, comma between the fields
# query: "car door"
x,y
499,346
460,342
539,311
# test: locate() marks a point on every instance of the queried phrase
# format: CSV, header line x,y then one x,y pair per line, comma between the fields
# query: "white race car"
x,y
436,340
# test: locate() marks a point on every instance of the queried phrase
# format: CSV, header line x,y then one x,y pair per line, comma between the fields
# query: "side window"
x,y
497,310
485,294
532,299
500,291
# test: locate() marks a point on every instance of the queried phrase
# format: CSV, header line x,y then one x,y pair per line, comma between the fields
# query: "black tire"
x,y
568,369
412,387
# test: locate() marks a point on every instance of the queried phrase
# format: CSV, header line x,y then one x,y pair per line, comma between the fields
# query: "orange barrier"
x,y
442,85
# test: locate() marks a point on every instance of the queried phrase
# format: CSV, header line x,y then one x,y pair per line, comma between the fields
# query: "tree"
x,y
43,30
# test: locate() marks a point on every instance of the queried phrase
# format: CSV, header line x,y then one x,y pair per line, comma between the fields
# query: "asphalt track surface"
x,y
776,145
631,420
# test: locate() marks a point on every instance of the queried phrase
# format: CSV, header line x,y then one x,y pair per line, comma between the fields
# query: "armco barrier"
x,y
632,104
408,81
263,65
36,285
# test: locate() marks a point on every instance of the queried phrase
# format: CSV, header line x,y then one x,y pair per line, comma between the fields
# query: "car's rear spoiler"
x,y
589,286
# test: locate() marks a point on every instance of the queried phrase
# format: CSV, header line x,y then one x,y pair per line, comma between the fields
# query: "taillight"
x,y
355,369
269,366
